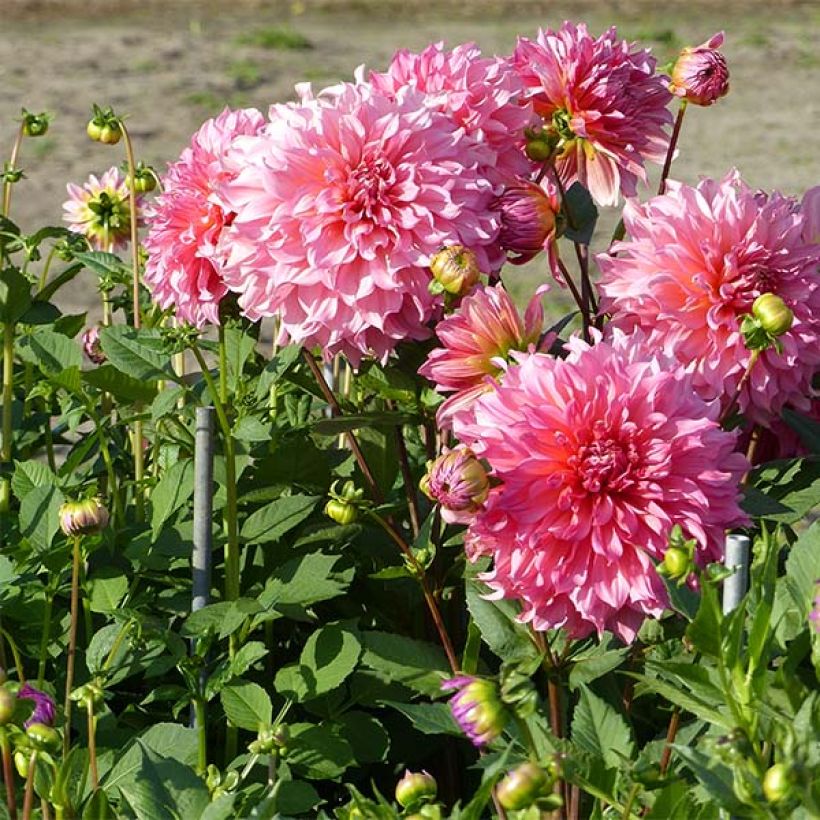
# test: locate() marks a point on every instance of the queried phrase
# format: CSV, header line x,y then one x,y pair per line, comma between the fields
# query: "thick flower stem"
x,y
8,396
44,639
72,643
92,745
671,733
28,800
673,143
15,152
740,385
202,735
8,775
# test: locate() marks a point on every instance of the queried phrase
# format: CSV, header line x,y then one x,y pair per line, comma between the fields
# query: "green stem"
x,y
8,396
72,642
28,800
112,653
46,267
44,639
92,744
8,774
202,735
630,800
223,366
18,658
15,152
132,206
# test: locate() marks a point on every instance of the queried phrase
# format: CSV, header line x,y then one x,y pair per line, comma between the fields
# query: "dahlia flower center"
x,y
604,464
369,184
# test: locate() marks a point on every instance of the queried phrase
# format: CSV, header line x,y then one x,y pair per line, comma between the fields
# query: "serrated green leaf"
x,y
108,587
428,718
28,475
295,797
138,353
15,295
40,516
246,704
222,618
496,620
601,730
318,752
366,736
107,378
419,665
305,581
278,518
52,352
172,491
675,695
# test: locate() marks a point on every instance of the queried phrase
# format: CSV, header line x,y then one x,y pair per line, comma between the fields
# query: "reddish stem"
x,y
673,142
671,733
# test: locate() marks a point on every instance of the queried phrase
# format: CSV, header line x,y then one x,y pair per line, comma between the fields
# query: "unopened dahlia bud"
x,y
42,737
528,220
679,559
416,788
540,144
83,517
35,125
477,708
700,75
777,783
458,482
522,787
91,345
343,507
455,271
8,703
773,314
44,708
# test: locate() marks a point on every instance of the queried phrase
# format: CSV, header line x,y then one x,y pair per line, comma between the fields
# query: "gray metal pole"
x,y
737,559
203,507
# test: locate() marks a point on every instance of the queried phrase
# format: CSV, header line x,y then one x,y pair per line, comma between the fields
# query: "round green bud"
x,y
777,783
676,563
42,737
538,150
8,702
340,512
415,789
521,787
773,314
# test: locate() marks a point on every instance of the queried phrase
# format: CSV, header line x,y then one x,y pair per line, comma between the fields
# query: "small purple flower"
x,y
477,708
44,711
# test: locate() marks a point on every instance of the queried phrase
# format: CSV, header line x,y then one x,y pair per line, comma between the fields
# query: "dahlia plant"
x,y
327,523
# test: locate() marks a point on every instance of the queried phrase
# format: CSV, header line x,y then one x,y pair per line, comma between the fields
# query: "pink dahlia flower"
x,y
476,343
598,456
695,261
482,95
700,75
187,219
99,210
604,102
341,204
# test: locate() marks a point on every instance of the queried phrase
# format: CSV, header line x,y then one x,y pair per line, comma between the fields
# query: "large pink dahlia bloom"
x,y
603,100
695,260
341,203
477,340
483,95
188,217
598,456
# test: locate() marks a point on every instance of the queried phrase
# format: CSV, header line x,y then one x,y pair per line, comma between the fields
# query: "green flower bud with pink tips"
x,y
477,708
458,481
83,517
700,75
415,789
455,271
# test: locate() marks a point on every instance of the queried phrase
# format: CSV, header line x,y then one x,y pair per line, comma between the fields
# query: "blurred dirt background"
x,y
171,64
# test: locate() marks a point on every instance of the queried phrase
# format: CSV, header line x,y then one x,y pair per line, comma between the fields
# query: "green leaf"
x,y
28,475
295,797
601,730
239,347
40,516
793,483
123,387
40,313
63,278
15,295
795,592
696,679
428,718
278,518
222,618
366,736
246,704
318,752
51,352
705,629
808,429
508,639
138,353
103,264
108,588
581,212
716,778
678,697
419,665
276,369
172,491
329,656
595,663
343,424
305,581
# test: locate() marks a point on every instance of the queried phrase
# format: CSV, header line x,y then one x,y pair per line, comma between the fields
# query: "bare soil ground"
x,y
170,65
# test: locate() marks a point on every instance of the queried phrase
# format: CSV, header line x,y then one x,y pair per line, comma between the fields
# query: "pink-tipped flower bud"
x,y
44,712
477,708
83,517
773,314
522,787
528,220
415,789
458,482
455,271
700,75
91,345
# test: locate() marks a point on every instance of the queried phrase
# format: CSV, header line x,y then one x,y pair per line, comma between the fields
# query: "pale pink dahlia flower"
x,y
341,204
598,456
482,95
477,340
187,219
695,261
604,102
99,210
700,75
